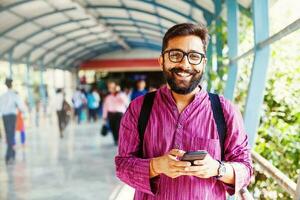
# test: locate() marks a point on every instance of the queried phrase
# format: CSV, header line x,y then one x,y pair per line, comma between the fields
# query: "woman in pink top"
x,y
115,104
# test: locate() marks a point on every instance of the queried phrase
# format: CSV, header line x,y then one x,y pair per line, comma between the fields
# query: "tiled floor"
x,y
79,166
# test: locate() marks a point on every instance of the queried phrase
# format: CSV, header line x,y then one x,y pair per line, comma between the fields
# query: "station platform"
x,y
79,166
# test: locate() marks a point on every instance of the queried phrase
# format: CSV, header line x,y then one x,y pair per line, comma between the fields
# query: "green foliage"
x,y
278,137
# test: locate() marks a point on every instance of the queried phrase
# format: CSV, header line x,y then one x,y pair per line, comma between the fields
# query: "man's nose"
x,y
185,62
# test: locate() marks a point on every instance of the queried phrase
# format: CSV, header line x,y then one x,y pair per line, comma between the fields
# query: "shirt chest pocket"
x,y
212,146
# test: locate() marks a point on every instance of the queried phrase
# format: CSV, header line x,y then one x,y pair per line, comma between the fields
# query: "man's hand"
x,y
206,168
169,165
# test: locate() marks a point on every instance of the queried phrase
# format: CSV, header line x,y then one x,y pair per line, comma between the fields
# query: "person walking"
x,y
114,107
9,103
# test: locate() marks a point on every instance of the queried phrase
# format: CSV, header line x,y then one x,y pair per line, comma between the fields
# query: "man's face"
x,y
141,85
111,86
183,77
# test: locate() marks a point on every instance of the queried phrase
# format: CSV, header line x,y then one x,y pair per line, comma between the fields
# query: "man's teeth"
x,y
183,74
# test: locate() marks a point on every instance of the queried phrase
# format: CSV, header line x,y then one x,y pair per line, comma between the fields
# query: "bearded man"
x,y
182,120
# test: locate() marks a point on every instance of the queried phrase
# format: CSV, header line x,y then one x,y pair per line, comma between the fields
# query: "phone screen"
x,y
194,155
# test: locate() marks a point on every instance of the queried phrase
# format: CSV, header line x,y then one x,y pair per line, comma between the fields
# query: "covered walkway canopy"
x,y
63,34
69,34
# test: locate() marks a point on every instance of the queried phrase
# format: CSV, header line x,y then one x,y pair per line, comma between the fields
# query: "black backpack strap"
x,y
219,119
144,117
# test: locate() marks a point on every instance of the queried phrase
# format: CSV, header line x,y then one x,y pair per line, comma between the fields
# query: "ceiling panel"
x,y
5,44
8,20
113,12
32,9
198,16
55,42
42,37
140,5
152,18
21,49
23,31
36,54
97,2
171,15
66,28
51,20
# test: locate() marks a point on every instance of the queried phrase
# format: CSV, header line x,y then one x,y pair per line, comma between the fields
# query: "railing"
x,y
285,182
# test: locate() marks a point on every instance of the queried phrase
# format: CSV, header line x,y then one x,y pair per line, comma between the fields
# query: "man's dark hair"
x,y
8,82
186,29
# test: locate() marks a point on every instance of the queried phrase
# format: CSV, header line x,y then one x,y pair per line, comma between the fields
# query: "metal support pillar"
x,y
259,71
11,60
28,85
232,26
297,196
42,85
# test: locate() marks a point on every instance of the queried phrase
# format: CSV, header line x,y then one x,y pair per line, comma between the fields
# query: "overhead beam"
x,y
88,56
71,50
75,52
138,10
22,40
29,20
11,5
61,45
136,20
277,36
51,39
82,6
124,64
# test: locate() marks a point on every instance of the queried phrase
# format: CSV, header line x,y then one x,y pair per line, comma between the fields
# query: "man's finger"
x,y
182,163
193,168
199,162
177,152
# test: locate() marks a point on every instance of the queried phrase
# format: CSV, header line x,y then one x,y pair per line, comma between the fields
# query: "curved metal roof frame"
x,y
56,47
97,47
152,45
67,50
42,30
76,51
90,12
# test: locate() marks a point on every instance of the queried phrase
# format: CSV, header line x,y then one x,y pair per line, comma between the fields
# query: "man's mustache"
x,y
189,71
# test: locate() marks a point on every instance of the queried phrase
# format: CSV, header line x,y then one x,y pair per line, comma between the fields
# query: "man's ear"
x,y
160,61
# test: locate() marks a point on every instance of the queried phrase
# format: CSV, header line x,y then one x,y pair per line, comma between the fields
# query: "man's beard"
x,y
187,87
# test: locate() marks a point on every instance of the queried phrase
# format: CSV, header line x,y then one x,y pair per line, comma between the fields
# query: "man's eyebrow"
x,y
194,51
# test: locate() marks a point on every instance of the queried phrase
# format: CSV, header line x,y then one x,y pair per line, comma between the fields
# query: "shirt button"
x,y
179,126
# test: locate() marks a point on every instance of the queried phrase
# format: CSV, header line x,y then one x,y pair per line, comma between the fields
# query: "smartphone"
x,y
194,155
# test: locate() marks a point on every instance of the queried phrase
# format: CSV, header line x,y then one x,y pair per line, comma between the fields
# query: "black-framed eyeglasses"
x,y
177,55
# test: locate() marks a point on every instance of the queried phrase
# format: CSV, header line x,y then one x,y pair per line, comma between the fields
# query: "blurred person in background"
x,y
20,127
78,101
140,89
93,100
63,109
114,106
9,103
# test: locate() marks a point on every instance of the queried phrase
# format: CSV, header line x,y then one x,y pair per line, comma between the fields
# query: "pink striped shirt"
x,y
193,129
115,103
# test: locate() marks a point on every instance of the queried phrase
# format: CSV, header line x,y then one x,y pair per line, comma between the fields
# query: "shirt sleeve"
x,y
237,149
105,108
131,169
20,104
